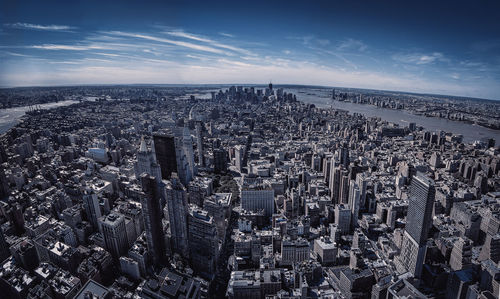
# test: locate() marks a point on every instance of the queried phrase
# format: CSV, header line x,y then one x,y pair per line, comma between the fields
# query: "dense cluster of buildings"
x,y
469,110
249,193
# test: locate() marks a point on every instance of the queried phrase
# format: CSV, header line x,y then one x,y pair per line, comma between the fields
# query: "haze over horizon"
x,y
448,48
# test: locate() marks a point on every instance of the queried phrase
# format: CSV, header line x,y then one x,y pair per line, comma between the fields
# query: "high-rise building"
x,y
199,145
354,203
344,186
92,209
343,218
174,153
114,234
257,197
4,246
203,242
151,211
461,253
176,210
413,248
164,146
239,152
4,187
146,161
362,183
220,160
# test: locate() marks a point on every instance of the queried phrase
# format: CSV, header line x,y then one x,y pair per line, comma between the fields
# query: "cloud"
x,y
170,41
226,34
418,58
352,44
211,42
68,47
29,26
323,42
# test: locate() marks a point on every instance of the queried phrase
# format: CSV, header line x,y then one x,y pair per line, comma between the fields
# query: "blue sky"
x,y
439,47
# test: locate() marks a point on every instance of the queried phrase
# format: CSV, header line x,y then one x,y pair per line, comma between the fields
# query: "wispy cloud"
x,y
352,44
418,58
226,34
29,26
211,42
14,54
171,42
68,47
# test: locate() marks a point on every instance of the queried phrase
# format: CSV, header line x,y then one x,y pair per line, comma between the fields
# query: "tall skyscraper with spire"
x,y
146,161
419,217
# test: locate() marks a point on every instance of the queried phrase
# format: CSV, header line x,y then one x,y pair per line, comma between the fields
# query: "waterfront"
x,y
10,117
470,132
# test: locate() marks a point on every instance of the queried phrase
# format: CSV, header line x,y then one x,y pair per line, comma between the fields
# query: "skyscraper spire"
x,y
143,148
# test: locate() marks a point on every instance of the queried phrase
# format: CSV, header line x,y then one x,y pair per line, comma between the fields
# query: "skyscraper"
x,y
151,211
4,188
177,210
174,153
203,241
4,247
354,200
146,161
164,145
413,248
91,204
362,183
199,145
114,234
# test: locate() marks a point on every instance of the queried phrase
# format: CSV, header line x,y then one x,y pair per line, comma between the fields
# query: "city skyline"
x,y
391,46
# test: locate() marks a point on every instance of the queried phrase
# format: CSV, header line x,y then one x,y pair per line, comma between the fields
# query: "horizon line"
x,y
246,84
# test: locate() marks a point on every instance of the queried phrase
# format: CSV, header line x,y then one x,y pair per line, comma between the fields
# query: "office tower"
x,y
419,217
199,145
343,218
16,217
114,234
491,248
333,94
25,254
174,153
294,251
334,185
256,197
4,246
187,148
4,187
203,242
461,253
91,204
239,152
362,183
146,161
151,212
164,146
220,160
354,202
176,209
344,186
343,155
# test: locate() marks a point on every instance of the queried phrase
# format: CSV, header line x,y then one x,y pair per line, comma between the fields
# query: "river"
x,y
470,132
10,117
321,98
